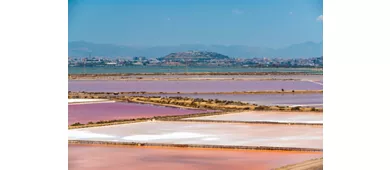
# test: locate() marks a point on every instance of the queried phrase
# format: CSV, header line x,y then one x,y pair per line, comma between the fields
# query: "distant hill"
x,y
194,55
302,50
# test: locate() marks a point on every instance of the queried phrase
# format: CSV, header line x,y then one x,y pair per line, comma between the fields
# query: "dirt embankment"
x,y
195,146
234,92
192,73
213,104
187,102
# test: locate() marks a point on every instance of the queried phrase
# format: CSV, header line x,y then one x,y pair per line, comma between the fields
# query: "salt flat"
x,y
205,134
267,116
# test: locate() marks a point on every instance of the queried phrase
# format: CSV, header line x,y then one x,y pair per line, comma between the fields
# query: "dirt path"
x,y
315,164
314,82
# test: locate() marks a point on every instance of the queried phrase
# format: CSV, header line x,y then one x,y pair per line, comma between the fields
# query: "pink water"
x,y
86,157
85,113
188,86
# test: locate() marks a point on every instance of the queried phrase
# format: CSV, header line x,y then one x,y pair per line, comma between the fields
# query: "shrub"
x,y
261,108
76,124
296,108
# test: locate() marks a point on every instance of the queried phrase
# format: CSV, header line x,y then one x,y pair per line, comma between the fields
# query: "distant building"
x,y
138,64
111,63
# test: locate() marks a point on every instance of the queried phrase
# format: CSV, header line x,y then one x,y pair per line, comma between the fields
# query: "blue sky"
x,y
265,23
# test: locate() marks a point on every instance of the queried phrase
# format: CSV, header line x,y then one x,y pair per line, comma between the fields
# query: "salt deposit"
x,y
267,116
173,132
85,100
77,134
174,135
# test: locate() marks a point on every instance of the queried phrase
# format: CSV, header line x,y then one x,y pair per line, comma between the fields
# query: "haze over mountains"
x,y
84,49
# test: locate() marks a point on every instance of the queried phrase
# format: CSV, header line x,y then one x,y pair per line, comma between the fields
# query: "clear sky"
x,y
265,23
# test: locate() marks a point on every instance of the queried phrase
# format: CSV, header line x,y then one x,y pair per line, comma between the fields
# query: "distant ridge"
x,y
302,50
194,55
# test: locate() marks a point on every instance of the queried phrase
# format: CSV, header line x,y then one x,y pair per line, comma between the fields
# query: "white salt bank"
x,y
267,116
86,101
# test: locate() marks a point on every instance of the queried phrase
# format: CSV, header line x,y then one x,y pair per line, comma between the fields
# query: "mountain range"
x,y
302,50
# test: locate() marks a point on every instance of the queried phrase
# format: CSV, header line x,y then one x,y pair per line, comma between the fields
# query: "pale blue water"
x,y
181,69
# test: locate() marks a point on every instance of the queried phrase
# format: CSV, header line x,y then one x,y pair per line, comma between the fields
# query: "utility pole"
x,y
85,59
186,66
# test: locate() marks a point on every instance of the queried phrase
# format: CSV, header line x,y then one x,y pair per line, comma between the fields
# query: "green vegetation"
x,y
77,124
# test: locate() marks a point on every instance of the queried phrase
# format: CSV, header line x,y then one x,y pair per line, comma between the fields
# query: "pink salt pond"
x,y
188,86
92,157
84,113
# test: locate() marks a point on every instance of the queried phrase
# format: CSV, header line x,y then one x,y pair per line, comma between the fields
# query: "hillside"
x,y
194,55
302,50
